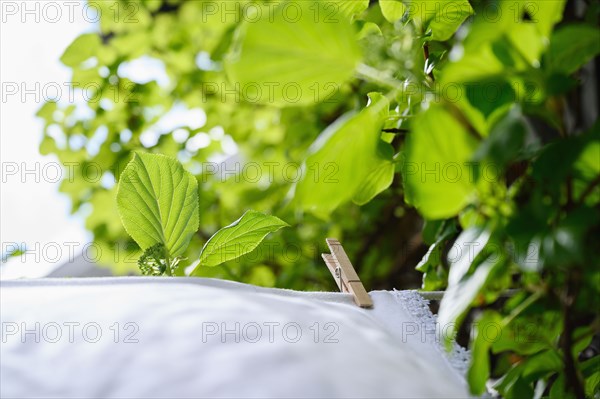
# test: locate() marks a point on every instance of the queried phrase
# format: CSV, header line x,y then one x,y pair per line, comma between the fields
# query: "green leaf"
x,y
528,26
342,159
497,62
559,390
345,7
587,171
82,48
464,286
438,232
432,230
376,181
158,202
392,10
382,175
283,60
543,14
530,333
487,329
505,140
439,19
543,362
591,372
478,95
514,386
439,179
367,29
239,238
435,274
555,162
45,112
565,243
578,157
48,146
572,46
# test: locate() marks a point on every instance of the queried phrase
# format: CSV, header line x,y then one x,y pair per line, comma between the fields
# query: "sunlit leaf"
x,y
345,7
487,328
342,159
239,238
378,180
158,202
439,177
392,10
284,60
83,48
439,19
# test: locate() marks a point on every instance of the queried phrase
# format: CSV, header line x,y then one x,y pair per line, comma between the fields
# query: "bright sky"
x,y
34,212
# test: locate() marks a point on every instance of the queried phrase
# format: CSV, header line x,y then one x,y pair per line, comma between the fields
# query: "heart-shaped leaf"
x,y
158,202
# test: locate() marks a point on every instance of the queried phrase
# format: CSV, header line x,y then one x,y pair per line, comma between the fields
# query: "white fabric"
x,y
377,353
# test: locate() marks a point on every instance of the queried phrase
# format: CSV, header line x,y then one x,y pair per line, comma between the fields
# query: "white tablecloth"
x,y
140,337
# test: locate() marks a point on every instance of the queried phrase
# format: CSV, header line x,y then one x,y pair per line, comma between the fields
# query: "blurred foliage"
x,y
349,119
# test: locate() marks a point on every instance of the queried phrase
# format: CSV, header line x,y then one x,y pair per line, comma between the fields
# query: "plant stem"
x,y
524,305
168,266
573,378
569,184
459,114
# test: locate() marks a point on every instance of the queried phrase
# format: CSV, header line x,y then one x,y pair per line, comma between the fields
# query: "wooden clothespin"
x,y
344,274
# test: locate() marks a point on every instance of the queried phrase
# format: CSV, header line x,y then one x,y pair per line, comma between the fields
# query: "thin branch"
x,y
569,204
519,309
397,141
395,130
438,295
573,377
589,189
458,113
426,55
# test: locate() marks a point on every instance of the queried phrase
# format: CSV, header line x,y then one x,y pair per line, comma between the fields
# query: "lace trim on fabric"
x,y
418,307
